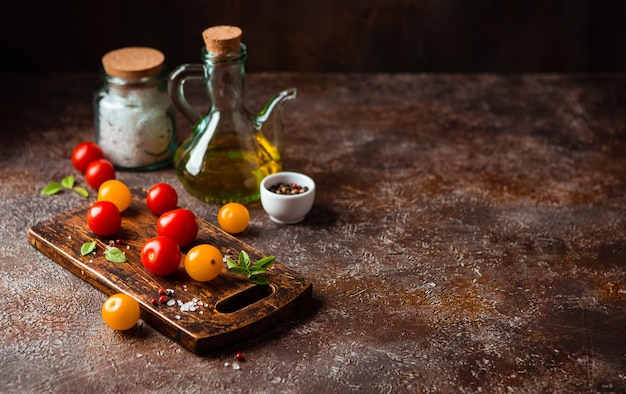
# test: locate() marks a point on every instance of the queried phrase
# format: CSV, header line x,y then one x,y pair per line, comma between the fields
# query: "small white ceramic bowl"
x,y
287,208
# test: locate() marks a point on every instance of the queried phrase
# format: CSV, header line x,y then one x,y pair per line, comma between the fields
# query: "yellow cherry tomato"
x,y
204,262
117,192
233,217
120,312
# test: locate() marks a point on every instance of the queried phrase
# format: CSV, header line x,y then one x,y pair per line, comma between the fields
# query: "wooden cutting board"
x,y
229,308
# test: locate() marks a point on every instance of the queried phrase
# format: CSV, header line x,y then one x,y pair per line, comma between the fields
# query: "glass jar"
x,y
134,122
230,150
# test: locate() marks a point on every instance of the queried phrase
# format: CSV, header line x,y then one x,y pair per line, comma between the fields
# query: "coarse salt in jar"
x,y
134,121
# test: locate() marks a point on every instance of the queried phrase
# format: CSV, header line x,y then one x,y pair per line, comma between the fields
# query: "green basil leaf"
x,y
244,259
259,280
256,271
51,188
87,248
265,262
239,270
68,182
81,191
230,263
115,255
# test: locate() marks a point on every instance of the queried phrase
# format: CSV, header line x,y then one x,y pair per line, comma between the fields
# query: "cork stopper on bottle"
x,y
221,40
133,62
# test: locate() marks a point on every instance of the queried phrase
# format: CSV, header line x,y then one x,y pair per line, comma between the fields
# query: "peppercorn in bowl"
x,y
287,196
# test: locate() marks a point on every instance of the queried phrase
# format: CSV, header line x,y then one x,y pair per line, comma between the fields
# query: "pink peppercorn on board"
x,y
202,316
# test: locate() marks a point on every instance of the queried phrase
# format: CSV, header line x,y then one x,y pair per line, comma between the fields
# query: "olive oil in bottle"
x,y
230,150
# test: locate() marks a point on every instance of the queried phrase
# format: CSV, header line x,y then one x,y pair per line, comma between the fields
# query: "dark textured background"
x,y
326,35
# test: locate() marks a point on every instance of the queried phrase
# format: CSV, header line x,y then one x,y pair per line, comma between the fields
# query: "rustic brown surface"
x,y
232,308
468,235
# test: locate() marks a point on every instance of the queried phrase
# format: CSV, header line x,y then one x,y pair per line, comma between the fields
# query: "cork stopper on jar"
x,y
221,40
133,62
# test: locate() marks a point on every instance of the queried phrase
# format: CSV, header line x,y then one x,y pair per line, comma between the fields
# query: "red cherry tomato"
x,y
161,255
178,224
161,198
98,172
84,153
103,218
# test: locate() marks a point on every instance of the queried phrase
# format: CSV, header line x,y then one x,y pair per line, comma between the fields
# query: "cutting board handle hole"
x,y
244,298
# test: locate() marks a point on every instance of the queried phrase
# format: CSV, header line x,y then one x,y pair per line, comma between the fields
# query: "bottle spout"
x,y
274,107
270,121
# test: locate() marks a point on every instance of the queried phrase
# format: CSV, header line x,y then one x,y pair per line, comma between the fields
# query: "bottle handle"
x,y
176,89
